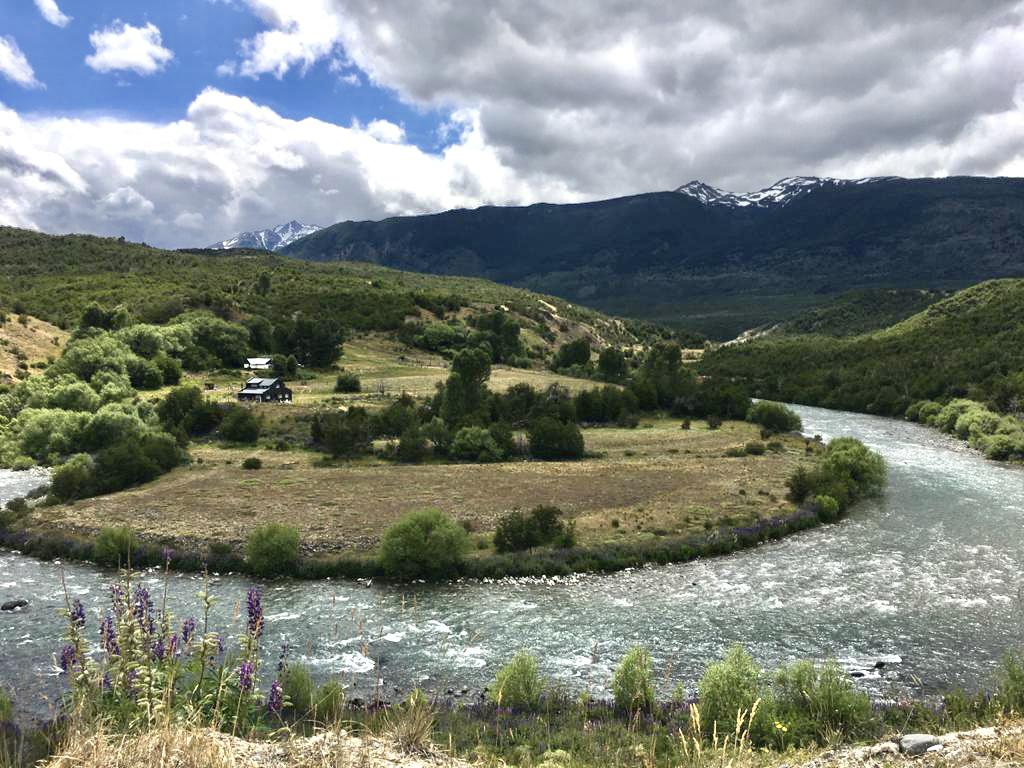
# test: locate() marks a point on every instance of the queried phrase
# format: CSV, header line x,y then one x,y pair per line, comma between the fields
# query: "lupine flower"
x,y
77,614
188,630
275,701
108,684
255,608
282,660
245,676
220,645
159,649
142,608
67,658
108,636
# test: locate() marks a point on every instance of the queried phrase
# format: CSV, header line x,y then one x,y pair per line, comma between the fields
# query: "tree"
x,y
424,544
315,342
611,364
240,425
464,392
774,417
342,433
553,440
572,353
500,332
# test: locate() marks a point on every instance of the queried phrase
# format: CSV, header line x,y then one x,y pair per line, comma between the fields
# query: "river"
x,y
924,579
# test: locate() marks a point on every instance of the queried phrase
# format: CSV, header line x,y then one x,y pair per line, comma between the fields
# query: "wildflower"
x,y
108,636
142,608
108,684
188,630
159,650
275,701
781,727
77,614
282,660
255,607
67,658
246,673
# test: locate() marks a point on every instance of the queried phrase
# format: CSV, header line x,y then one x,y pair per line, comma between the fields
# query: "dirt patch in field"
x,y
653,481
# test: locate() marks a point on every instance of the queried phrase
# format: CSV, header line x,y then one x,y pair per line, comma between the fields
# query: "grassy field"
x,y
656,480
28,340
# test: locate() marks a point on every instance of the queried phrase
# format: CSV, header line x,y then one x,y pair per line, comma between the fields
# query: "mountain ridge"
x,y
273,239
720,269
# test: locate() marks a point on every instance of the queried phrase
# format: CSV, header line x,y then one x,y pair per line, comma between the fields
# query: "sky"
x,y
182,122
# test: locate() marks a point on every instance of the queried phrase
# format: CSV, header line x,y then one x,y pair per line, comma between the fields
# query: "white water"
x,y
925,579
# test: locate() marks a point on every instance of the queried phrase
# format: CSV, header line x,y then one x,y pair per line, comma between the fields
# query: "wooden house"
x,y
265,391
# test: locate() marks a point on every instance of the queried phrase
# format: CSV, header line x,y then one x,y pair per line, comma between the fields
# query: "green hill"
x,y
859,312
56,278
968,345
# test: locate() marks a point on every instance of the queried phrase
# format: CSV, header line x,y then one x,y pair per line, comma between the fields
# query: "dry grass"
x,y
33,342
651,481
177,747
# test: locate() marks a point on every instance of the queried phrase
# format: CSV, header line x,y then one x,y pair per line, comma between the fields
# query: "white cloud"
x,y
244,166
52,13
617,97
14,66
122,46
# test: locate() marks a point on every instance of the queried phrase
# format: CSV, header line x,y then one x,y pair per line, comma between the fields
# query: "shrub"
x,y
1011,683
113,546
713,421
554,440
253,462
273,550
475,444
74,479
516,532
240,425
828,508
774,417
632,684
572,353
518,684
411,724
299,688
731,686
735,451
820,703
134,461
412,446
342,433
329,702
427,543
755,448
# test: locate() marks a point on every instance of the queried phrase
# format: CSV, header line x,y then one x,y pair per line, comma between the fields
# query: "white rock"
x,y
917,743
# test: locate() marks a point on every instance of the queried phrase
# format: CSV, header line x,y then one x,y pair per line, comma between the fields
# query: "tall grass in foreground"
x,y
149,686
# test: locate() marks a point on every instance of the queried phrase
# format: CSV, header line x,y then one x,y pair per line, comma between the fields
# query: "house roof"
x,y
258,382
258,360
253,392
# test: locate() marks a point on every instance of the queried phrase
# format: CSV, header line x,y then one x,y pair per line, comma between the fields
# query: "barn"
x,y
265,391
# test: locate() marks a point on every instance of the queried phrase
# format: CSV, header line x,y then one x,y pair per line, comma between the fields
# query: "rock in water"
x,y
13,605
917,743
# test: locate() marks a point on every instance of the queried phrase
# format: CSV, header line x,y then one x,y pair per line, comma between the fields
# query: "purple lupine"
x,y
275,701
159,649
246,672
188,630
220,645
108,636
77,614
282,660
142,608
68,657
254,605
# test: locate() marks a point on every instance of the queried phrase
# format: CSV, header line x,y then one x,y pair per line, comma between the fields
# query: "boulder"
x,y
917,743
13,605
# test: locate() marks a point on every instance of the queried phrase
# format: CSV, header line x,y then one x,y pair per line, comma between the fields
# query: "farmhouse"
x,y
265,391
258,363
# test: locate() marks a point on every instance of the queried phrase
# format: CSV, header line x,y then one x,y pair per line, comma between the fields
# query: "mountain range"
x,y
273,239
710,260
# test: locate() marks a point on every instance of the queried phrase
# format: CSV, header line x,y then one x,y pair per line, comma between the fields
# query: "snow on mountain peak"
x,y
778,194
268,239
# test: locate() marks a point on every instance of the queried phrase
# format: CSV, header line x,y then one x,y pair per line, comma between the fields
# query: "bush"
x,y
632,684
476,444
329,702
253,462
427,544
755,448
412,446
342,433
516,532
828,508
273,550
518,684
113,547
240,425
774,417
554,440
134,461
714,422
74,479
1011,684
731,686
819,704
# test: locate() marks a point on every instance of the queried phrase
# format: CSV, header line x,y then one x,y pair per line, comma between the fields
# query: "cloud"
x,y
244,166
52,13
14,66
122,46
617,96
